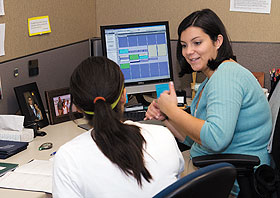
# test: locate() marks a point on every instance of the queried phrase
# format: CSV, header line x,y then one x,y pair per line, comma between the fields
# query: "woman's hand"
x,y
153,112
167,100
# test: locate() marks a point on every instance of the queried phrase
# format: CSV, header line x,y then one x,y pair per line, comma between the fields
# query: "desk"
x,y
57,134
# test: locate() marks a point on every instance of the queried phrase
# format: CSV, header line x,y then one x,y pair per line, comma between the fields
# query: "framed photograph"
x,y
30,105
58,102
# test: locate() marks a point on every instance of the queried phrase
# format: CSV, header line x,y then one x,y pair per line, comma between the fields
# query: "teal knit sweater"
x,y
236,113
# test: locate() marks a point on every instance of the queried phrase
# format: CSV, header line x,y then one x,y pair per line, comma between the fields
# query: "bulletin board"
x,y
70,20
245,27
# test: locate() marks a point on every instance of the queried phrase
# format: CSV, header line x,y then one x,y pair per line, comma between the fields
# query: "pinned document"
x,y
39,25
257,6
2,7
2,39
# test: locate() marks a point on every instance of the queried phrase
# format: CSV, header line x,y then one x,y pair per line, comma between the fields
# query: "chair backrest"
x,y
274,102
215,180
276,142
268,179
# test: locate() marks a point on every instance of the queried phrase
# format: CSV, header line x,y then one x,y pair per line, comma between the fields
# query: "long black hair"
x,y
121,143
212,25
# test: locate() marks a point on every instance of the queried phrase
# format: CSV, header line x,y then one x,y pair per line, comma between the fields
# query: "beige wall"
x,y
240,26
70,21
73,20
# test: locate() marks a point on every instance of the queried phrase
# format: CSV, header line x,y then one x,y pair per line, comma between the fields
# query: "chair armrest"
x,y
244,165
238,160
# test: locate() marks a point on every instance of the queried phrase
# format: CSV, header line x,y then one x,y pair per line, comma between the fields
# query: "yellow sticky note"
x,y
39,25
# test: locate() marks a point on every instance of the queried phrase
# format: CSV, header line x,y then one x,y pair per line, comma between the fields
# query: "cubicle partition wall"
x,y
55,68
258,57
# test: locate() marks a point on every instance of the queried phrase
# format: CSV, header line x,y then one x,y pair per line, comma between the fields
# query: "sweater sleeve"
x,y
223,94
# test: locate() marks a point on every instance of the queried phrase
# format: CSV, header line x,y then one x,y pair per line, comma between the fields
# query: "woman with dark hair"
x,y
230,113
114,158
211,25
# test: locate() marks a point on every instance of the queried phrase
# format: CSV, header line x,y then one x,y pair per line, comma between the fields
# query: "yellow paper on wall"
x,y
39,25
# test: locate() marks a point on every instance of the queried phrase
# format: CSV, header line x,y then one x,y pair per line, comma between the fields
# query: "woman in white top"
x,y
114,158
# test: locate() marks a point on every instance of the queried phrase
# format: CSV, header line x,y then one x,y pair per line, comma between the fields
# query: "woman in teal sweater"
x,y
230,112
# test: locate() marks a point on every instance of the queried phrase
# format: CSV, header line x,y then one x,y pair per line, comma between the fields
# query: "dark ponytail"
x,y
121,143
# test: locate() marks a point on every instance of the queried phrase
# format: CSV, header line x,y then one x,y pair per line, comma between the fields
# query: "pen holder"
x,y
273,83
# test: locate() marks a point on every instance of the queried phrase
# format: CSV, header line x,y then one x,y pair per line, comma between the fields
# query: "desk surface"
x,y
57,134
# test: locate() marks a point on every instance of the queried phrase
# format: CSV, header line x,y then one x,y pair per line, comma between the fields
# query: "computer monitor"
x,y
142,50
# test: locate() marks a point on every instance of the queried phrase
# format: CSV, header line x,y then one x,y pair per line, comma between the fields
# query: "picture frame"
x,y
58,102
31,105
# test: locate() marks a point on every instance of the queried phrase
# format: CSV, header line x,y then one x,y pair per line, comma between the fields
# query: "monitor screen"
x,y
142,51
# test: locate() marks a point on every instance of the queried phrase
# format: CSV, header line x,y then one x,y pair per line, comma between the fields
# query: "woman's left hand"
x,y
168,99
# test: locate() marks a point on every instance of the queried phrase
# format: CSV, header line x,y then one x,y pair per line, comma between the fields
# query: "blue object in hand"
x,y
161,88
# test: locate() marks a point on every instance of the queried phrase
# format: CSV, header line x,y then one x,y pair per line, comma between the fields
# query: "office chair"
x,y
264,182
211,181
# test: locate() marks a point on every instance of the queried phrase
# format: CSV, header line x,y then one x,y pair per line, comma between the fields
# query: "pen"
x,y
53,153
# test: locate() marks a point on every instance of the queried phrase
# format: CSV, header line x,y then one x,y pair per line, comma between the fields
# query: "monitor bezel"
x,y
134,25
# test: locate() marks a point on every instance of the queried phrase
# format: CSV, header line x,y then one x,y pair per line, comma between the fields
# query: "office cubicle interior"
x,y
56,66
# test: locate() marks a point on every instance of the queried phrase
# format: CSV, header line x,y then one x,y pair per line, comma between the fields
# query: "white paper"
x,y
33,176
39,167
2,7
2,39
257,6
39,26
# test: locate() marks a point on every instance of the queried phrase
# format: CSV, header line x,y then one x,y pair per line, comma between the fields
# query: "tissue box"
x,y
11,122
11,128
25,135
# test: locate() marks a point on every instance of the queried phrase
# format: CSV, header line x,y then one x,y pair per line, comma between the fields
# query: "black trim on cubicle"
x,y
44,51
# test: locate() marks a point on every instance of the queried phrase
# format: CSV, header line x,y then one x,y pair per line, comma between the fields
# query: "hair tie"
x,y
102,98
99,98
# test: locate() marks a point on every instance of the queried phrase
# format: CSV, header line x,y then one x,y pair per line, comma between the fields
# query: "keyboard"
x,y
135,115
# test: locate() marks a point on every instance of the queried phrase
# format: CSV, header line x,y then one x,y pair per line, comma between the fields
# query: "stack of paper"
x,y
33,176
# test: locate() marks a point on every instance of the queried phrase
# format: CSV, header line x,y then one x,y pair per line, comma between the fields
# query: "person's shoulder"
x,y
231,72
76,143
146,124
232,67
153,130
